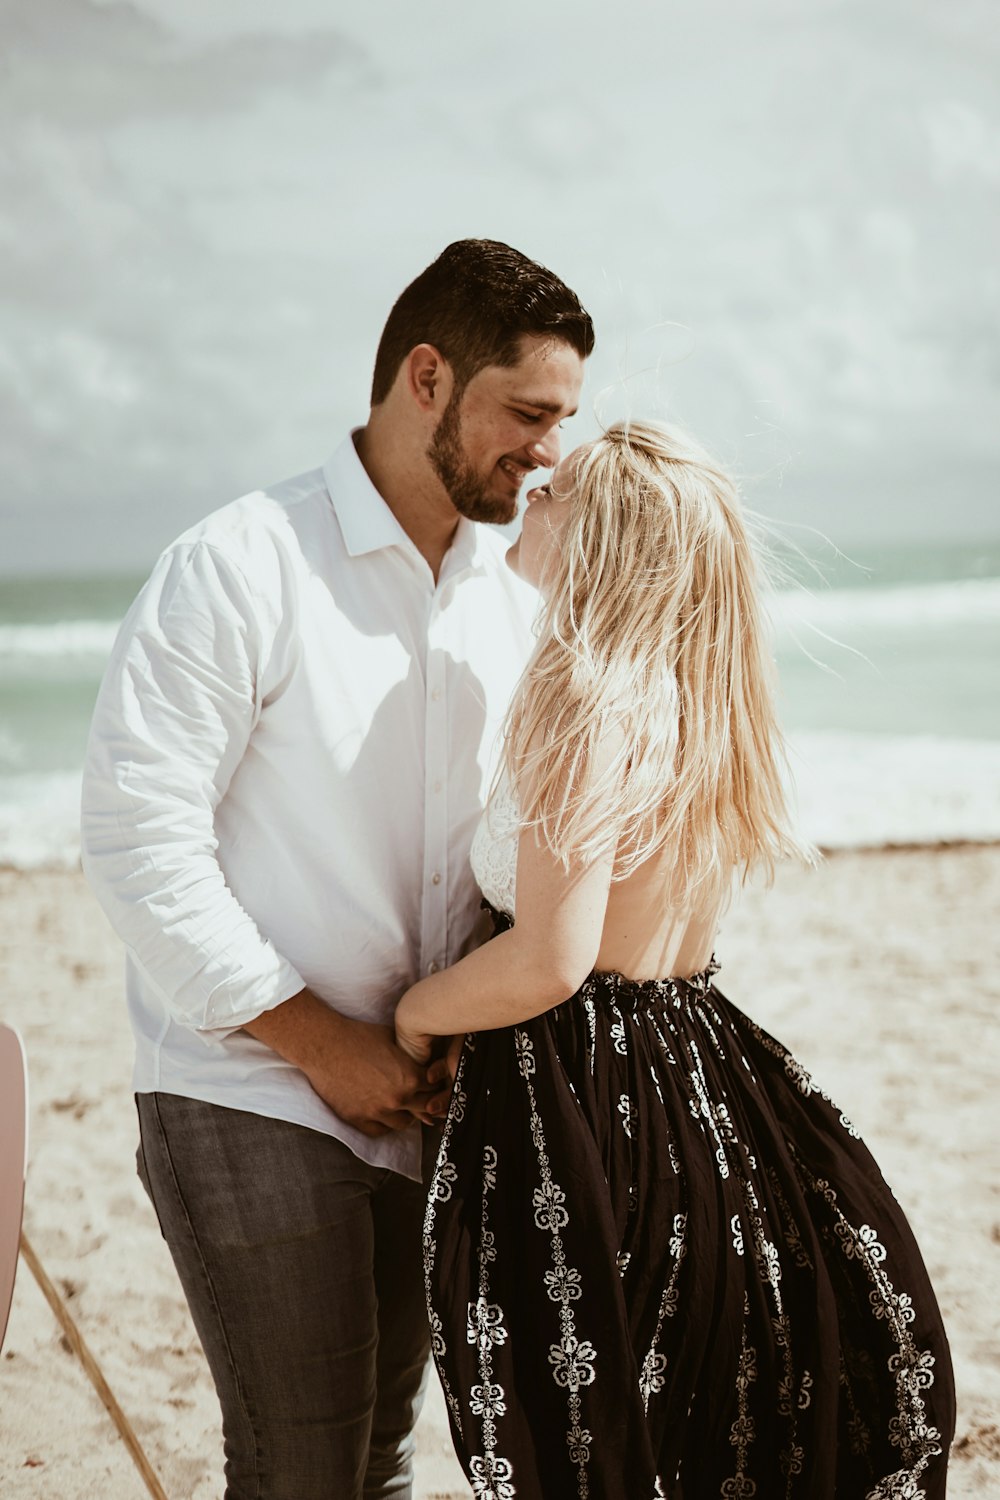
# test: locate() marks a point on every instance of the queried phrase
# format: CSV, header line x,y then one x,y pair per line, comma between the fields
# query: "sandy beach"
x,y
881,970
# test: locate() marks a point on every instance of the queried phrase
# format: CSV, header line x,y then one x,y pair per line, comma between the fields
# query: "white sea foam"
x,y
852,790
865,790
40,820
61,638
11,750
970,601
966,602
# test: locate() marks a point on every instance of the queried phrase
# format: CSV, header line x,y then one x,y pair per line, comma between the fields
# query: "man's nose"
x,y
545,451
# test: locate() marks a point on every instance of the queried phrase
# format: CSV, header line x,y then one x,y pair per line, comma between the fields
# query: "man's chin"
x,y
489,510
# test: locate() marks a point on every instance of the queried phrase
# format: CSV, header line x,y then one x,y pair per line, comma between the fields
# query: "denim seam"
x,y
214,1299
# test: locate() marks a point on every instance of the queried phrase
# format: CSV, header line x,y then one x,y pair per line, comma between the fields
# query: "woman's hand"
x,y
410,1039
424,1047
412,1036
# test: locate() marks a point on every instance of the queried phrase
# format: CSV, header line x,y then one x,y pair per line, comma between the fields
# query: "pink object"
x,y
13,1160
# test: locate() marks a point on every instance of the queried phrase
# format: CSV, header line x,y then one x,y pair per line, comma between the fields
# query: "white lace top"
x,y
494,849
494,864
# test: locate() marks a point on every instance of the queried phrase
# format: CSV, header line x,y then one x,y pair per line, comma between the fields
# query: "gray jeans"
x,y
302,1268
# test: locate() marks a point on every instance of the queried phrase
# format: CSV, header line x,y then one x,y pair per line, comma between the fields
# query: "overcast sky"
x,y
782,215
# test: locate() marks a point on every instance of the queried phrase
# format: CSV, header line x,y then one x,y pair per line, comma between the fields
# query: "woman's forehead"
x,y
564,474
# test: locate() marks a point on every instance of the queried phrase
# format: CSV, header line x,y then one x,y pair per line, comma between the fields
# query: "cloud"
x,y
88,66
201,234
127,334
963,140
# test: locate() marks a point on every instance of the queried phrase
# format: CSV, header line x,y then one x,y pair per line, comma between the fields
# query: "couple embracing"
x,y
343,726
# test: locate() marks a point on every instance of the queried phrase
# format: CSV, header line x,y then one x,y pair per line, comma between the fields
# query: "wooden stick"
x,y
93,1369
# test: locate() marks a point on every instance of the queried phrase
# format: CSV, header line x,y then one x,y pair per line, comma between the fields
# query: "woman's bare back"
x,y
647,935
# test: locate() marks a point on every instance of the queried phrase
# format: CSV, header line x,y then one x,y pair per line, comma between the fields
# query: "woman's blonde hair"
x,y
653,630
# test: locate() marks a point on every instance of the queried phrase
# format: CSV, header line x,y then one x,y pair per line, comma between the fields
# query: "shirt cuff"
x,y
242,998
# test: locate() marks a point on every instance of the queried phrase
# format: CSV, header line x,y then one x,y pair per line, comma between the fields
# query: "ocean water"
x,y
889,666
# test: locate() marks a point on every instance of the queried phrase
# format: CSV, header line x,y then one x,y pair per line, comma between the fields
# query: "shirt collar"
x,y
466,550
367,523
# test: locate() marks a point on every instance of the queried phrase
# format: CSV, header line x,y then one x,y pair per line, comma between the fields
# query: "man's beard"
x,y
466,490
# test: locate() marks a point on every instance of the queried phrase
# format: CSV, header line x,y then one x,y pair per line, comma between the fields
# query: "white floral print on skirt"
x,y
660,1262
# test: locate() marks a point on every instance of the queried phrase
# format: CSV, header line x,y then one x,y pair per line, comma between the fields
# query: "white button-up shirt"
x,y
288,758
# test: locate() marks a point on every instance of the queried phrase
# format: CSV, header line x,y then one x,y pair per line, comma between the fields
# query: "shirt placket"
x,y
434,917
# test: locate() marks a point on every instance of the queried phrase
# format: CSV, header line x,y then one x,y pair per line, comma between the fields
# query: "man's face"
x,y
503,425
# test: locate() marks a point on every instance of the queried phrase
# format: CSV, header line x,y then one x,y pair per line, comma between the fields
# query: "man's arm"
x,y
172,723
355,1067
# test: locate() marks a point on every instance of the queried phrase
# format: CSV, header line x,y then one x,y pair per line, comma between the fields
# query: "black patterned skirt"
x,y
660,1262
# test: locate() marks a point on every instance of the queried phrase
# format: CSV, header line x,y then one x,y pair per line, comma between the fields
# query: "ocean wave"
x,y
60,638
11,749
856,791
965,602
851,791
40,820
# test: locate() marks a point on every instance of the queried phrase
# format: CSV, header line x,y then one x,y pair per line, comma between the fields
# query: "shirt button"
x,y
432,967
436,695
435,878
437,786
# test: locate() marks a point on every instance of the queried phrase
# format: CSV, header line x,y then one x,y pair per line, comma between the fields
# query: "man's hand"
x,y
354,1066
453,1054
370,1082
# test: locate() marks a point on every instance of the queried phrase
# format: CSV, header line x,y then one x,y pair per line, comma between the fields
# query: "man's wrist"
x,y
296,1028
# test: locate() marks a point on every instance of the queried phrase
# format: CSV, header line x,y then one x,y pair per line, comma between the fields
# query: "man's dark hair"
x,y
474,304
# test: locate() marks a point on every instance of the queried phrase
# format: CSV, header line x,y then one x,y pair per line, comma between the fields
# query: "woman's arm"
x,y
540,962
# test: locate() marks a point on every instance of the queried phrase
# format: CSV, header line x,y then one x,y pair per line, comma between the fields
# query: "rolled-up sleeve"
x,y
174,715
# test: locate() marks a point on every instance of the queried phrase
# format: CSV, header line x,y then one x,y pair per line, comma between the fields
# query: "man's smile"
x,y
515,472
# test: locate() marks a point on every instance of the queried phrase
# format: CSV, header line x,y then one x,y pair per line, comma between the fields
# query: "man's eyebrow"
x,y
553,407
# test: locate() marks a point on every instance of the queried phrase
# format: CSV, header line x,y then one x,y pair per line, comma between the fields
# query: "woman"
x,y
659,1261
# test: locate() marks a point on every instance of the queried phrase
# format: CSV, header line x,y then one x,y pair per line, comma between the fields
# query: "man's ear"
x,y
429,378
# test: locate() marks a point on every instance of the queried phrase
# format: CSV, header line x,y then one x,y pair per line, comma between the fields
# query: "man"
x,y
288,757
